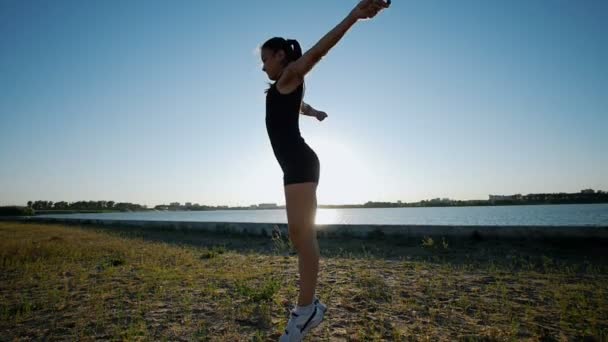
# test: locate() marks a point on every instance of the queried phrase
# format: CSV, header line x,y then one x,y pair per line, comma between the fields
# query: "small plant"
x,y
263,292
367,253
110,261
547,263
259,336
213,252
202,333
444,243
374,287
282,245
428,242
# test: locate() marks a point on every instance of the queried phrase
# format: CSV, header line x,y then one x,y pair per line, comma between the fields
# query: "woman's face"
x,y
273,63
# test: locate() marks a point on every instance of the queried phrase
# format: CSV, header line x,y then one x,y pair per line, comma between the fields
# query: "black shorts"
x,y
301,168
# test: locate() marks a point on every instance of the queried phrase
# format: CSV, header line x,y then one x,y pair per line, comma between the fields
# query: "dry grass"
x,y
67,283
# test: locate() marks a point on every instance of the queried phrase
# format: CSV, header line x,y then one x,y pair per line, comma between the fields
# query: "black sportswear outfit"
x,y
298,161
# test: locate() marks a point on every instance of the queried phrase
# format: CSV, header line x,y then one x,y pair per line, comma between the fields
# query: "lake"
x,y
524,215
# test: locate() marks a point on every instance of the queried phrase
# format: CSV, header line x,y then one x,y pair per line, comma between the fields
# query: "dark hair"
x,y
291,47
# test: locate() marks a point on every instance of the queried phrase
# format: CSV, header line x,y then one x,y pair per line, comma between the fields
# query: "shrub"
x,y
428,242
16,211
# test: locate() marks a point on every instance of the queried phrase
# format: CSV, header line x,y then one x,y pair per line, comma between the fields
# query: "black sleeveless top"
x,y
282,115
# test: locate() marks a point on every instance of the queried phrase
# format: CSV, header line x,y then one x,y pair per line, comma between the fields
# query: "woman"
x,y
284,63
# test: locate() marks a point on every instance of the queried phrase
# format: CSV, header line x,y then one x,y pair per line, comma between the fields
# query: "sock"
x,y
305,310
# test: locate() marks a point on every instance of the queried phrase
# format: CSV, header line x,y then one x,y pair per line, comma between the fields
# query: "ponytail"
x,y
291,47
295,49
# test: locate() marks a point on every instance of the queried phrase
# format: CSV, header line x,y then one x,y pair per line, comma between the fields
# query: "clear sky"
x,y
160,101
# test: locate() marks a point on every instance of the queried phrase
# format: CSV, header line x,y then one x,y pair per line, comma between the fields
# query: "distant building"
x,y
174,204
267,205
587,191
440,200
188,204
505,197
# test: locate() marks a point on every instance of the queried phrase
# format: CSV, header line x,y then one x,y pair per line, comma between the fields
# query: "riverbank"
x,y
399,231
97,282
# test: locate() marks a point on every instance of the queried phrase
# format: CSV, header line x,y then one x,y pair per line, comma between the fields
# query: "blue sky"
x,y
160,101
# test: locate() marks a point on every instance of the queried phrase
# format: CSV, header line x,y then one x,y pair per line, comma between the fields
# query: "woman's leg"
x,y
301,206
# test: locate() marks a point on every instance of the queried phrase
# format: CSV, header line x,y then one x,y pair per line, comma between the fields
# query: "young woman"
x,y
285,64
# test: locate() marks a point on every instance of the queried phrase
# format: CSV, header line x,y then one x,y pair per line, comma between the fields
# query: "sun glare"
x,y
327,216
343,172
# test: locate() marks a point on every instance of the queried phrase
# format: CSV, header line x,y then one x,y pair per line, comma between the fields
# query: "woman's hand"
x,y
367,9
320,115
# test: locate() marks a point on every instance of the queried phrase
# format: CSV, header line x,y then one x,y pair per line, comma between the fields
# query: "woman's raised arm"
x,y
294,73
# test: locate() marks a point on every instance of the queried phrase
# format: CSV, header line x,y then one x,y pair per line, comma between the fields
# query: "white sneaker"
x,y
321,306
298,325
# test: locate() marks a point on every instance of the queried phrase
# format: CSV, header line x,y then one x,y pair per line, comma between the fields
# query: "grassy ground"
x,y
69,282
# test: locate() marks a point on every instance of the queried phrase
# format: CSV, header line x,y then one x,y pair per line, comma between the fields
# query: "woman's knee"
x,y
300,235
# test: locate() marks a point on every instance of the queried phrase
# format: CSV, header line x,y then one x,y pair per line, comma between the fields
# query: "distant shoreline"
x,y
322,206
585,196
368,231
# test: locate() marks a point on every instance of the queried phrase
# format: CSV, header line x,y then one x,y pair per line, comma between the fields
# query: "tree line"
x,y
85,205
585,196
